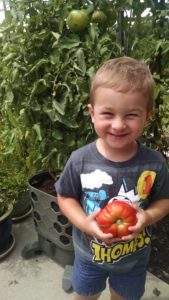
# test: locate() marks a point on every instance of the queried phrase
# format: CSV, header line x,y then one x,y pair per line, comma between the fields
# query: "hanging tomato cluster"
x,y
78,20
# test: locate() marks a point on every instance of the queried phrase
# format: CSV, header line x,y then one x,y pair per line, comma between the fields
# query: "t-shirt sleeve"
x,y
161,187
69,184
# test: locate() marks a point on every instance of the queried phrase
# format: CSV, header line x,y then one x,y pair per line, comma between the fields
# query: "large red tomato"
x,y
116,217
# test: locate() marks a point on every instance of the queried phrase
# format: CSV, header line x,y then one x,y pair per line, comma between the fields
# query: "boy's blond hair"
x,y
125,74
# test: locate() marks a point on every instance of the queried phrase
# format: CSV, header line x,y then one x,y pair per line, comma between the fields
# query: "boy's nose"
x,y
118,123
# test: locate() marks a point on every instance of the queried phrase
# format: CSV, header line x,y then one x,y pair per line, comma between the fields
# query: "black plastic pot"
x,y
6,238
22,208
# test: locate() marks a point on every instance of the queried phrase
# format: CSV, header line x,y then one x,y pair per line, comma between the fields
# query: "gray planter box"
x,y
53,228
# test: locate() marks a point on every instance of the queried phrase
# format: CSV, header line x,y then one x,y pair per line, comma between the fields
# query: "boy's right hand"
x,y
92,229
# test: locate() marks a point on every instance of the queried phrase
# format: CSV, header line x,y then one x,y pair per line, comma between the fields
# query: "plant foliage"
x,y
46,71
3,207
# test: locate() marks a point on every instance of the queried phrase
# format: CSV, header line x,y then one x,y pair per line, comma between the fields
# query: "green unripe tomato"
x,y
99,17
77,20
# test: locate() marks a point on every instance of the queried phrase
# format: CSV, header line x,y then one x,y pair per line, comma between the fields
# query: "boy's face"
x,y
118,118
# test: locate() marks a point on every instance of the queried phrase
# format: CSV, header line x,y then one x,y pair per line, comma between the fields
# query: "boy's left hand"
x,y
140,225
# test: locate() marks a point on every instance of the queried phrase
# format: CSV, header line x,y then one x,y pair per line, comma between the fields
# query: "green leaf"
x,y
70,123
56,35
158,46
38,65
58,107
91,72
166,50
38,87
93,31
48,157
68,43
81,60
37,128
12,118
9,96
8,57
58,135
55,117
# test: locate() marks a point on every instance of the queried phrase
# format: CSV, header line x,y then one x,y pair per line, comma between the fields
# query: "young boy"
x,y
115,166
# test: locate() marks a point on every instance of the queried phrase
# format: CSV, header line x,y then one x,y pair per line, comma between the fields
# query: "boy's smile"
x,y
118,119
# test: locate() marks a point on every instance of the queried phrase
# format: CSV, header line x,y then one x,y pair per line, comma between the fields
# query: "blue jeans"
x,y
90,279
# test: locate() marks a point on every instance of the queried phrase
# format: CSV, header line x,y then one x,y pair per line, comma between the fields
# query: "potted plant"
x,y
7,239
14,187
13,180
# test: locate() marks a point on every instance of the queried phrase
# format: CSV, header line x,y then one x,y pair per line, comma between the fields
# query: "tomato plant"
x,y
116,217
46,69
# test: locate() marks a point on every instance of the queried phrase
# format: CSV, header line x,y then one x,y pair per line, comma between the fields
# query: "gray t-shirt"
x,y
94,180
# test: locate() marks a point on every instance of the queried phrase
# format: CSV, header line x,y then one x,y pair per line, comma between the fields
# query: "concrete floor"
x,y
40,278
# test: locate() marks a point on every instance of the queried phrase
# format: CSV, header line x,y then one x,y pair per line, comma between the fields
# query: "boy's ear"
x,y
149,115
91,111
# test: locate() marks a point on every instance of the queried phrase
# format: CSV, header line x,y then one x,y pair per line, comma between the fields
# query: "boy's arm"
x,y
72,210
86,223
156,211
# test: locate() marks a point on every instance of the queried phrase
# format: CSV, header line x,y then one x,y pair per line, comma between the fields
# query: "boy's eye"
x,y
107,113
132,115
